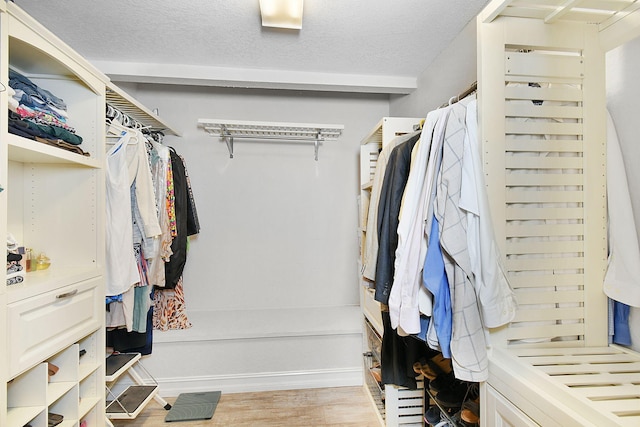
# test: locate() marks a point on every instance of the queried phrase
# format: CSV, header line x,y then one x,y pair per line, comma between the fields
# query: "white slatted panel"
x,y
404,407
546,311
555,242
607,376
541,163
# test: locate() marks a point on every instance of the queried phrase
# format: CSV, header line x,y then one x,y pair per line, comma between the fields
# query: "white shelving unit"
x,y
53,201
397,406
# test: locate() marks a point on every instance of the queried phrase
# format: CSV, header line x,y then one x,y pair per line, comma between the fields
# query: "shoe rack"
x,y
127,404
72,389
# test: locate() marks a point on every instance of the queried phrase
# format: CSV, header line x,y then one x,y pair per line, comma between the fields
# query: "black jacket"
x,y
395,180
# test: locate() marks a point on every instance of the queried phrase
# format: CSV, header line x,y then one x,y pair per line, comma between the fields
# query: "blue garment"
x,y
18,81
424,327
621,332
434,278
114,298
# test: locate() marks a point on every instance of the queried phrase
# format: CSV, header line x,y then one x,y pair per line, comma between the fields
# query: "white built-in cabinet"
x,y
396,406
53,201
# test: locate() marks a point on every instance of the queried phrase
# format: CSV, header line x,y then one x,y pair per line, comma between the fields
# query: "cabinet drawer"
x,y
40,326
498,411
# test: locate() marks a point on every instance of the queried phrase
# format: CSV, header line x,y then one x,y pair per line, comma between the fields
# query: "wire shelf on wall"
x,y
228,130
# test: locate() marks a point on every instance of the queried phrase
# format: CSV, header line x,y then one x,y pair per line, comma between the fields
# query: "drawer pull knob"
x,y
67,294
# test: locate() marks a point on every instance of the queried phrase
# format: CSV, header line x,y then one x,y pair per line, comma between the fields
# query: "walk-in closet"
x,y
367,213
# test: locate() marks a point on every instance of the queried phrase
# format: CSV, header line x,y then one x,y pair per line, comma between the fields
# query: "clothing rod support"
x,y
228,139
316,143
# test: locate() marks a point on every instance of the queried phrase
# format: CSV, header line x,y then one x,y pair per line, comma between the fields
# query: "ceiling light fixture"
x,y
281,13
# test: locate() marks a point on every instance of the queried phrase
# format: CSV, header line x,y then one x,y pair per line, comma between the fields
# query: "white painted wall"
x,y
278,232
623,92
452,72
278,228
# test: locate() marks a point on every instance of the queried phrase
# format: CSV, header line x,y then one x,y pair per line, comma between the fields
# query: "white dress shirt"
x,y
622,280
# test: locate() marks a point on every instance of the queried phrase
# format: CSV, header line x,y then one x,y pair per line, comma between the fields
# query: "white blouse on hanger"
x,y
121,269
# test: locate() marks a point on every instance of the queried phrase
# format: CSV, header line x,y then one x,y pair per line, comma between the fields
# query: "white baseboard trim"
x,y
269,381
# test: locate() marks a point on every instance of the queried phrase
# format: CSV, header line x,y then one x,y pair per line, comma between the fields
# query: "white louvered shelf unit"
x,y
543,127
228,130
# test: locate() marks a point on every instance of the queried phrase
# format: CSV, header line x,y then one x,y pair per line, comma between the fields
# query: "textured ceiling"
x,y
390,38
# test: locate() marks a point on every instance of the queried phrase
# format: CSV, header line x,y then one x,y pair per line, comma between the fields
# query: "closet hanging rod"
x,y
116,114
471,89
131,107
227,130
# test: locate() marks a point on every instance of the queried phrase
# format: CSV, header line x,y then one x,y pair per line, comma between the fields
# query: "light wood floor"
x,y
342,406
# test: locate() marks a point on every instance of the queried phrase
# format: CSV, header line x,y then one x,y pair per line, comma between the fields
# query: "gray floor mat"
x,y
194,406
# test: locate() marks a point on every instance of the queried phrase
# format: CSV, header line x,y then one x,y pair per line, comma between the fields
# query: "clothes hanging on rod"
x,y
114,114
371,241
443,187
120,272
623,268
151,189
462,95
138,225
169,303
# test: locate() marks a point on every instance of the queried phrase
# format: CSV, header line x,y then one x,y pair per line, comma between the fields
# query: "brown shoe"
x,y
442,363
52,369
470,413
376,374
